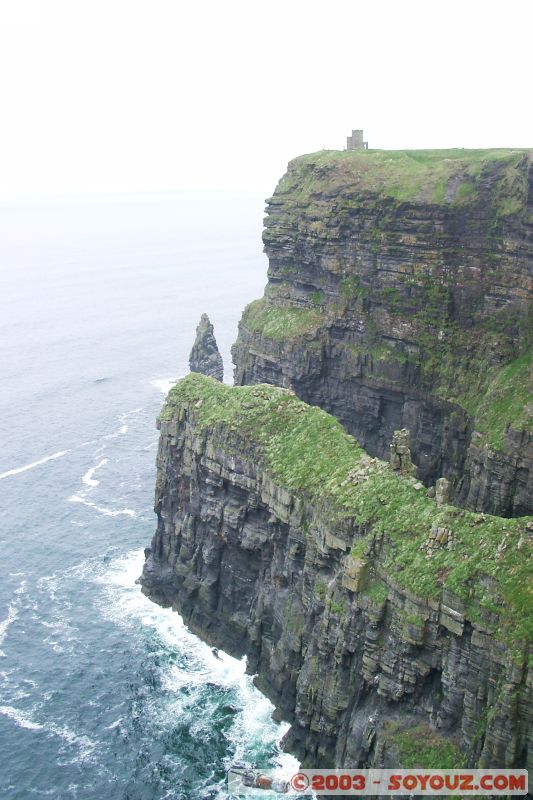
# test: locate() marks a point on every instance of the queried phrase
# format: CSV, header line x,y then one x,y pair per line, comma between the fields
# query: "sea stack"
x,y
205,356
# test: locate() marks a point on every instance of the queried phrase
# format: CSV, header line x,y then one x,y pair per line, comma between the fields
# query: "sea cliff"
x,y
399,296
387,629
353,515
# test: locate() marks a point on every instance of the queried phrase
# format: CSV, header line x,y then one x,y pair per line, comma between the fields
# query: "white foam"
x,y
22,720
84,743
12,614
49,584
91,482
111,436
88,479
129,607
164,385
62,634
120,432
18,470
123,427
108,512
20,694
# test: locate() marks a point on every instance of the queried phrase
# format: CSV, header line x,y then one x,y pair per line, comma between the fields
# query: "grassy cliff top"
x,y
430,176
307,451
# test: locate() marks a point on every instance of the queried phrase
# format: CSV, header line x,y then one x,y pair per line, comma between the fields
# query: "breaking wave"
x,y
27,467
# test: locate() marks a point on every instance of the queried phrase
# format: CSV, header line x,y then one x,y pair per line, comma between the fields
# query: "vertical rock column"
x,y
400,453
205,356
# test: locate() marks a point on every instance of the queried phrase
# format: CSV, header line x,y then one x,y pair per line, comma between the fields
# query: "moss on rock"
x,y
507,402
422,747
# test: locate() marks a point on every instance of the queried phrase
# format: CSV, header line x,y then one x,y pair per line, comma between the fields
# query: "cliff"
x,y
399,296
386,628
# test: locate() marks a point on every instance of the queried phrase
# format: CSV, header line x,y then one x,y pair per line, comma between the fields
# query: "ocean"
x,y
104,694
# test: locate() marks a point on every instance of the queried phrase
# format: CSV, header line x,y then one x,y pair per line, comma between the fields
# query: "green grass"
x,y
439,192
320,589
281,323
423,747
302,445
350,289
458,370
466,191
454,369
360,547
508,401
413,619
376,591
317,298
435,176
459,367
308,452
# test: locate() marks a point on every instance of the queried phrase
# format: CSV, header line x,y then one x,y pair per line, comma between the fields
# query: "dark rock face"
x,y
356,667
499,482
398,314
205,357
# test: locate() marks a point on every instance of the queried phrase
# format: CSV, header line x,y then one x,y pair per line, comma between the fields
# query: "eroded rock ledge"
x,y
385,628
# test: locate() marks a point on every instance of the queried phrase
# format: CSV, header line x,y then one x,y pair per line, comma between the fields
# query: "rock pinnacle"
x,y
205,356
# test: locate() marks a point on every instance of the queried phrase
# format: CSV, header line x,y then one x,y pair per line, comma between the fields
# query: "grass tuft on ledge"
x,y
281,322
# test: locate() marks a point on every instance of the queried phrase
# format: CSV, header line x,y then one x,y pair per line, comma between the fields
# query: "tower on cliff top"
x,y
355,141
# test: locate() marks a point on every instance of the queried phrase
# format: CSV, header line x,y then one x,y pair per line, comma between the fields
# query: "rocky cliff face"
x,y
205,356
386,628
399,296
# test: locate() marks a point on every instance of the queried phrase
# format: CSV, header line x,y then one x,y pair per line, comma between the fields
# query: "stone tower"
x,y
355,141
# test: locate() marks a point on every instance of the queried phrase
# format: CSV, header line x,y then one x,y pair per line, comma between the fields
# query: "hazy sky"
x,y
162,94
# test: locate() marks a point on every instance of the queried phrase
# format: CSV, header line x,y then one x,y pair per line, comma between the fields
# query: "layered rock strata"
x,y
386,629
399,296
